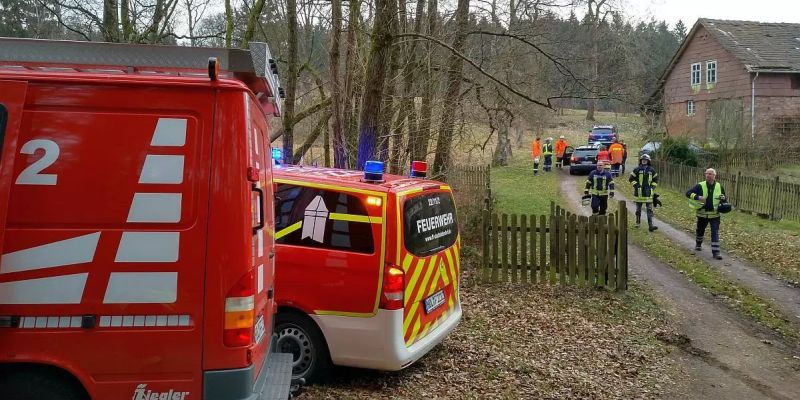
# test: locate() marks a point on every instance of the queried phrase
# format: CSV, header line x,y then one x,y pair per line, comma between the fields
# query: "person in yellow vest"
x,y
536,152
561,147
708,199
617,153
547,152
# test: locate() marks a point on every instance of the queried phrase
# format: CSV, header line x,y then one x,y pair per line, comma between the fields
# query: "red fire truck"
x,y
367,267
136,222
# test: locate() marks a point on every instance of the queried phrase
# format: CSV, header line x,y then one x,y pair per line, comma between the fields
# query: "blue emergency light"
x,y
277,155
373,171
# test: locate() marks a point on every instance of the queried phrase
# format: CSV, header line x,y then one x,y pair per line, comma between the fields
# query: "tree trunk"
x,y
337,129
309,142
502,152
386,134
127,26
454,74
291,82
252,20
375,81
110,21
351,74
419,138
407,107
228,23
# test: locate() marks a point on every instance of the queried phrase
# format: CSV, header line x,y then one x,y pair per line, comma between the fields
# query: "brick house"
x,y
732,78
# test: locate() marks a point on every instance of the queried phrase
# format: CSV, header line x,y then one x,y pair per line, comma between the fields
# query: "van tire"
x,y
298,334
39,384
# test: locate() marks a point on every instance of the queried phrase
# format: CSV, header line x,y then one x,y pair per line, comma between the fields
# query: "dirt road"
x,y
722,354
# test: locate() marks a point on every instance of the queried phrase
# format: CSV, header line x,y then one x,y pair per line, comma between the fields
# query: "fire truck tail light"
x,y
240,312
393,290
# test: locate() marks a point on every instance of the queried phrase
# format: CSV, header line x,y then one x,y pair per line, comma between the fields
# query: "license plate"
x,y
434,301
260,329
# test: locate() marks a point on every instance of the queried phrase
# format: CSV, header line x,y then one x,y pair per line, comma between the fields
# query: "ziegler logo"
x,y
141,393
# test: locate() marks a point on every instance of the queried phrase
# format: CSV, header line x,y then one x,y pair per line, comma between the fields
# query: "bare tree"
x,y
337,128
455,66
291,82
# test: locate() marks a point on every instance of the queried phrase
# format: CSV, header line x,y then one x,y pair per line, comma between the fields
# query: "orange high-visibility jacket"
x,y
617,153
561,146
536,148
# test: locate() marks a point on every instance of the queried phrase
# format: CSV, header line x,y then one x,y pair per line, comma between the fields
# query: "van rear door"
x,y
12,99
430,260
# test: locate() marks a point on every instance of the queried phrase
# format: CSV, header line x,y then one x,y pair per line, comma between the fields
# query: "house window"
x,y
711,72
690,107
695,74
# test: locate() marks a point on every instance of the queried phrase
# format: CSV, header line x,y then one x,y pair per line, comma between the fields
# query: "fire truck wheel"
x,y
39,384
300,336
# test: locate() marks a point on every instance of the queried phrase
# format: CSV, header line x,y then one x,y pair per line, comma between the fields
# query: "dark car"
x,y
584,159
603,134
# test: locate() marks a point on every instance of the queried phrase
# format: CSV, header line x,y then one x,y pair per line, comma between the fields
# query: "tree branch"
x,y
477,67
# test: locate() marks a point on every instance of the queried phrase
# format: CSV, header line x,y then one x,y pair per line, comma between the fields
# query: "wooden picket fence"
x,y
471,187
769,198
557,248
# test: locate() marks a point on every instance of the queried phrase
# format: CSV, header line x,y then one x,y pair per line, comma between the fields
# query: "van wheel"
x,y
299,336
38,385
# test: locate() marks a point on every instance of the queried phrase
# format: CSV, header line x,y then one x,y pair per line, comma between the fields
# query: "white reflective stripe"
x,y
235,304
162,169
76,250
155,207
141,287
260,278
169,132
138,321
260,242
65,289
56,321
148,247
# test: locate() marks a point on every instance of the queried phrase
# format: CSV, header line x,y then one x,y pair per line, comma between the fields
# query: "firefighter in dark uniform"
x,y
600,185
547,152
708,199
645,180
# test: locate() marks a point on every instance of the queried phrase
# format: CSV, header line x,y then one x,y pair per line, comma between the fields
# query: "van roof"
x,y
353,179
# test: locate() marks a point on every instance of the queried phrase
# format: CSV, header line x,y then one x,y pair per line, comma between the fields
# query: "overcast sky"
x,y
690,10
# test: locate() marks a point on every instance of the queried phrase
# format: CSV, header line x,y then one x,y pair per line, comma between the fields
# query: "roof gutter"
x,y
753,110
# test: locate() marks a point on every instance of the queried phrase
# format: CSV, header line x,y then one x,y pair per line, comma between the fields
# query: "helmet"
x,y
725,208
644,157
561,137
549,139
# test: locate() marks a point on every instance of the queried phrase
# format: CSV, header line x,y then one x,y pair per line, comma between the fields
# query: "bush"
x,y
678,150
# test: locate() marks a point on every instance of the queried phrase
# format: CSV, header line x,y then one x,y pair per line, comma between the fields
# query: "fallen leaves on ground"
x,y
531,341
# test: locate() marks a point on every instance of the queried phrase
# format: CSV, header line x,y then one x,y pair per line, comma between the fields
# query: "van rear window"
x,y
429,223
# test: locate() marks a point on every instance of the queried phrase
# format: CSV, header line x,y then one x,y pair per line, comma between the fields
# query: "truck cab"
x,y
136,222
367,267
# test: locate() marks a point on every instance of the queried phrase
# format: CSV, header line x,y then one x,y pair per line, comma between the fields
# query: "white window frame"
x,y
693,71
711,66
690,107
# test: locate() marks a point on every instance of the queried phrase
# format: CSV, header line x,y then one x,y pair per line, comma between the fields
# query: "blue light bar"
x,y
373,171
277,155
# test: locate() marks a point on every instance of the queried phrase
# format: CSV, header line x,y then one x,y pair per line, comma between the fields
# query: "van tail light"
x,y
574,159
393,289
240,312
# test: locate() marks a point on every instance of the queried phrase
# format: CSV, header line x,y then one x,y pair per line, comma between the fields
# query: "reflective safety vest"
x,y
547,149
645,181
536,148
700,205
617,153
600,183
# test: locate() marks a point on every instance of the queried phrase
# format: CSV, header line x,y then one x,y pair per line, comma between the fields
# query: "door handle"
x,y
261,215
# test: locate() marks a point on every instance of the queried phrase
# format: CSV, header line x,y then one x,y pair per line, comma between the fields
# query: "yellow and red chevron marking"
x,y
424,277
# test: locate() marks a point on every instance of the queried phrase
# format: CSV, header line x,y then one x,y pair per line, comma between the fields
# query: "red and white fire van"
x,y
367,267
136,222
